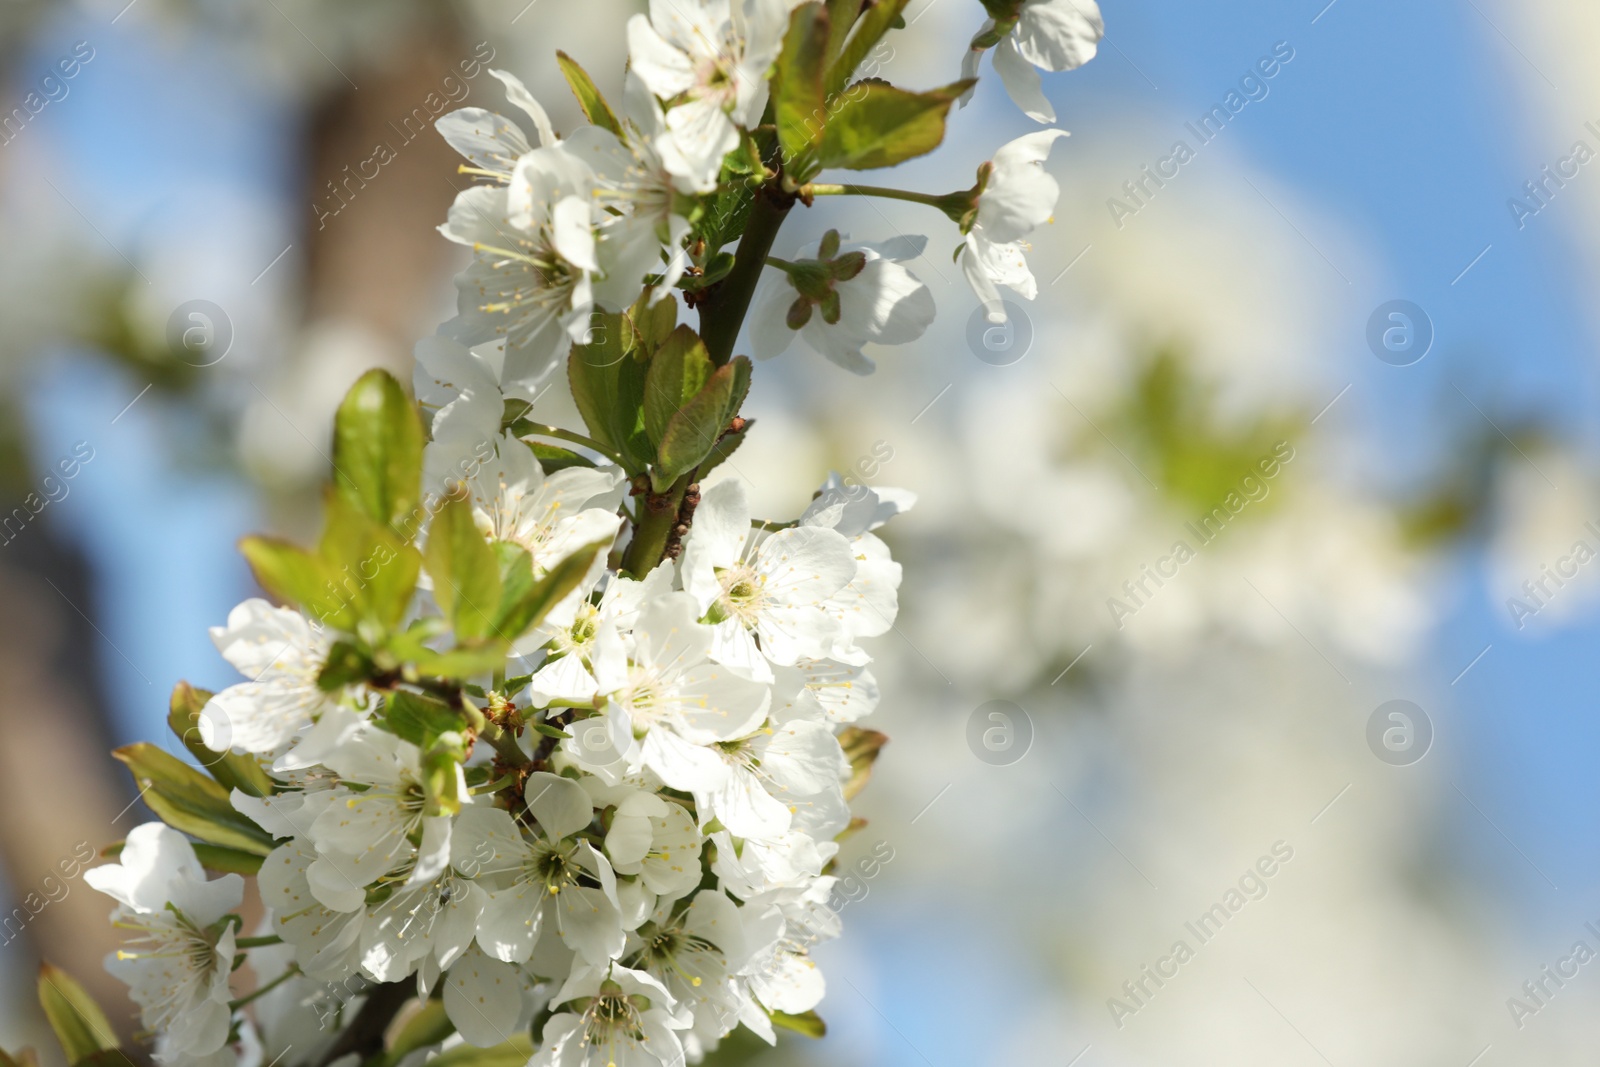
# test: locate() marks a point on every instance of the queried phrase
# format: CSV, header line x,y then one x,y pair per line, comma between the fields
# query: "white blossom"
x,y
1054,35
1017,198
766,593
709,59
179,959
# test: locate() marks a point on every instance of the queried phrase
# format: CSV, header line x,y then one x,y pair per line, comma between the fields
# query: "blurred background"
x,y
1340,746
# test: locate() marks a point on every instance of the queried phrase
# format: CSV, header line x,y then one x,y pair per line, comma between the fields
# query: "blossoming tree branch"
x,y
542,749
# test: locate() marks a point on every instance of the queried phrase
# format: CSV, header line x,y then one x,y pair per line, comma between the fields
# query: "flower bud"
x,y
830,308
799,313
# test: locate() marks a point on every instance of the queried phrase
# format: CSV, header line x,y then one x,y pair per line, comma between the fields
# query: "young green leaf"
x,y
377,449
348,663
466,576
594,106
232,770
419,719
693,430
514,1053
876,21
724,448
677,372
608,387
299,578
457,663
429,1025
372,566
554,458
798,105
861,748
79,1024
187,800
653,321
441,774
227,860
841,17
810,1024
520,614
879,125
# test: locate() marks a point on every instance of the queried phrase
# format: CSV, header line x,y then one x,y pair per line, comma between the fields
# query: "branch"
x,y
722,313
364,1035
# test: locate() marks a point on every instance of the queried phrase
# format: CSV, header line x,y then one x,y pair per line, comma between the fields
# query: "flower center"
x,y
744,593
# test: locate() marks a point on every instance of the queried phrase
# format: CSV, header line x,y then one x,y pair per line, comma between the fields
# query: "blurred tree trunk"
x,y
63,793
379,258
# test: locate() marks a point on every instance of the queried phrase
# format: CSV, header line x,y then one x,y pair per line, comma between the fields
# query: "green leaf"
x,y
724,219
373,567
810,1024
521,614
466,575
798,105
869,29
546,730
231,770
861,748
693,430
429,1025
554,458
462,663
441,779
608,387
188,801
594,106
226,860
654,322
879,125
377,449
79,1024
841,17
724,448
348,663
514,1053
419,719
298,578
677,372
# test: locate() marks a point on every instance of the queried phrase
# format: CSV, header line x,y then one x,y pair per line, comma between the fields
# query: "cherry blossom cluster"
x,y
548,745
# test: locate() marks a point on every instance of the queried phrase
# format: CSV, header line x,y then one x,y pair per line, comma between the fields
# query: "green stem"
x,y
724,310
650,533
524,428
782,264
825,189
258,942
263,990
